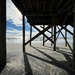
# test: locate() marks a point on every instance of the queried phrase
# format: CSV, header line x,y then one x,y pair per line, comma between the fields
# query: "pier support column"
x,y
51,35
43,36
65,36
74,40
23,32
2,34
30,34
55,38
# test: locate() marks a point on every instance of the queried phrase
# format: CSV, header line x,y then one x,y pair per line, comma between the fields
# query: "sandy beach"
x,y
38,60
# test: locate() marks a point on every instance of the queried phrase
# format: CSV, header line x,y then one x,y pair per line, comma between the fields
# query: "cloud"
x,y
13,33
13,14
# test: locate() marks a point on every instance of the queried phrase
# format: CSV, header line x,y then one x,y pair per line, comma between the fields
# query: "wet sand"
x,y
38,60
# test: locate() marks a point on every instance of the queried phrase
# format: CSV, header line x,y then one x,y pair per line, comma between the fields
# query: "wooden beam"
x,y
67,30
50,38
64,7
74,41
41,32
30,34
30,1
48,30
59,4
37,6
2,34
51,35
51,4
24,6
23,20
66,41
40,14
58,35
65,36
55,38
43,36
44,5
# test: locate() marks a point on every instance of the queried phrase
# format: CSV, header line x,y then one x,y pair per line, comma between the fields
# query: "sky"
x,y
14,22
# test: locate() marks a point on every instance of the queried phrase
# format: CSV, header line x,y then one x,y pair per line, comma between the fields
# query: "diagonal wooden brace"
x,y
41,32
66,40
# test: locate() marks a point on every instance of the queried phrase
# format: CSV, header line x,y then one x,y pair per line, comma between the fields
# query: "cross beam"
x,y
41,32
67,30
66,41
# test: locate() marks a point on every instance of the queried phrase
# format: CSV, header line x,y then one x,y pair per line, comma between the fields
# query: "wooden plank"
x,y
67,30
66,41
30,34
43,36
41,32
23,20
55,38
51,35
2,34
65,36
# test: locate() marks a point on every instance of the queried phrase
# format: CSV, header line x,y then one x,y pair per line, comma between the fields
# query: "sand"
x,y
38,60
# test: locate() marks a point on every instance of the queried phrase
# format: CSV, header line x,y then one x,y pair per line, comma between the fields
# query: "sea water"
x,y
15,39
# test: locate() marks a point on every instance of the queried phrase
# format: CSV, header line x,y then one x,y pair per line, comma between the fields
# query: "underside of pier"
x,y
53,13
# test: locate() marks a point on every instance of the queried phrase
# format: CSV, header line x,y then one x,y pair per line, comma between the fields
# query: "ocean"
x,y
18,39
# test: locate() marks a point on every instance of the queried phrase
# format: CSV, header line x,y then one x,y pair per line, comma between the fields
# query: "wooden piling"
x,y
23,19
43,36
30,33
51,35
65,35
55,38
2,34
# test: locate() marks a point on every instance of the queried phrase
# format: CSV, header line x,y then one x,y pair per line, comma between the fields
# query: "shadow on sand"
x,y
1,68
28,70
60,64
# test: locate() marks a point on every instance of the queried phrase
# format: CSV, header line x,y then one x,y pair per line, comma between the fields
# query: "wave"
x,y
39,39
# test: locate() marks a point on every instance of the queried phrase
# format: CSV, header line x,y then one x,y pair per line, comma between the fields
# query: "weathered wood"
x,y
74,40
59,4
41,32
30,34
47,30
67,30
66,41
43,36
2,34
23,32
65,36
58,35
51,35
54,38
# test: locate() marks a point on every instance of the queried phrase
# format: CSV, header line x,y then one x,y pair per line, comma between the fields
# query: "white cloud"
x,y
13,33
13,14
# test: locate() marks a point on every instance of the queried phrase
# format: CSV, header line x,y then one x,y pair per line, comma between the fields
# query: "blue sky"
x,y
14,21
10,24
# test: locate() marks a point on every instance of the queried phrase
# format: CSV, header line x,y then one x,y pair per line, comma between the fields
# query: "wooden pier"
x,y
53,13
